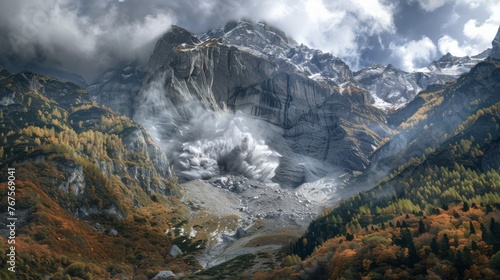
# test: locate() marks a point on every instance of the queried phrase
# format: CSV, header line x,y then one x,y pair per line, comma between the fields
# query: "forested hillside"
x,y
436,216
93,193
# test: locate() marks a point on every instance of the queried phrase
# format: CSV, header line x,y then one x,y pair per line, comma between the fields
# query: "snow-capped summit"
x,y
273,43
255,35
391,87
450,65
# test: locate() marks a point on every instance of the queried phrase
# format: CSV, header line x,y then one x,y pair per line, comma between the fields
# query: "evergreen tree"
x,y
421,227
446,245
460,262
434,246
484,233
465,207
412,253
445,206
474,245
467,257
349,237
472,228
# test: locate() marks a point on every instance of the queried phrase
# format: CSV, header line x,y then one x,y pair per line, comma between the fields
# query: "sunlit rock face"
x,y
307,122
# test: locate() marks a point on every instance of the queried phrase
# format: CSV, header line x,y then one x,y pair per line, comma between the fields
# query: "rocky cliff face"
x,y
117,88
308,99
389,87
274,43
314,119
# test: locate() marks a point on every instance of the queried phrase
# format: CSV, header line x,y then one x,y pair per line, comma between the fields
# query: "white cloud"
x,y
432,5
481,34
473,4
414,54
56,33
339,27
447,44
76,32
478,32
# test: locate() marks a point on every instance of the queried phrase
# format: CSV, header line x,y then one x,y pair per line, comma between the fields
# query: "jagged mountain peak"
x,y
495,50
391,68
496,40
452,66
171,39
273,43
3,71
447,56
239,33
177,34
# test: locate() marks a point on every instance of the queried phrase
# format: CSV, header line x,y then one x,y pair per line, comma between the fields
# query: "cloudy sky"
x,y
88,36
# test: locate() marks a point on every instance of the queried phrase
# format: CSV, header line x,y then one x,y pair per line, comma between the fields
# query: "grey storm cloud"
x,y
86,37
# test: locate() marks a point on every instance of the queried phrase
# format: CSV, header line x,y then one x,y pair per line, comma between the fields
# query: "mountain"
x,y
14,65
305,120
452,65
436,214
392,88
274,43
441,164
389,87
435,115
